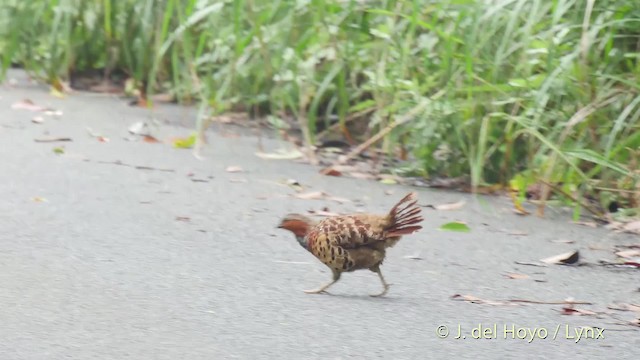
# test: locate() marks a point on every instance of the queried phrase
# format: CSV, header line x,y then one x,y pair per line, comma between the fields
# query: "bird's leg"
x,y
384,283
321,289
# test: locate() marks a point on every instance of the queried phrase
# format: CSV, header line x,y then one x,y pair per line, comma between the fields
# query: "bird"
x,y
346,243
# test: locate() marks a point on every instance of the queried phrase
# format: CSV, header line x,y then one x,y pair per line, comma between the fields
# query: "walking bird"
x,y
347,243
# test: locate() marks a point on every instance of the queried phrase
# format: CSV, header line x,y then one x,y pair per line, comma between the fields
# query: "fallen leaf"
x,y
451,206
51,112
280,155
185,143
591,224
477,300
529,264
629,254
516,276
632,227
517,233
332,172
102,139
27,104
294,184
361,175
388,181
37,120
51,139
571,257
138,128
563,241
183,218
39,199
150,139
570,310
233,169
455,226
625,307
58,150
413,257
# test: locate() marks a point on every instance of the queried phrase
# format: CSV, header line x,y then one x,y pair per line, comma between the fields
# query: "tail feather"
x,y
403,216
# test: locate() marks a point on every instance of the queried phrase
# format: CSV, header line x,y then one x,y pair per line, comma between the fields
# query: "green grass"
x,y
528,90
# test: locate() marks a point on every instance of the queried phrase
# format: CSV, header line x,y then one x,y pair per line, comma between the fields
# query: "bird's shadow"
x,y
368,297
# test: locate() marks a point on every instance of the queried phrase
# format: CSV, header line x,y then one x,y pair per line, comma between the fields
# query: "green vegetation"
x,y
516,91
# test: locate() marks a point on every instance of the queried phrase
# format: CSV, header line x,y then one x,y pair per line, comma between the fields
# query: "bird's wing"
x,y
351,231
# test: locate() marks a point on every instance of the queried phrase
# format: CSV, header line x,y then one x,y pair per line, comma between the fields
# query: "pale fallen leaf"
x,y
516,276
233,169
39,199
415,256
571,257
138,128
632,227
280,155
27,104
625,307
37,120
629,254
451,206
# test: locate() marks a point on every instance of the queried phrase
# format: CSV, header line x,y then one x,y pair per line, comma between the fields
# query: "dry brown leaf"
x,y
150,139
183,218
233,169
629,254
570,310
451,206
571,257
332,172
516,276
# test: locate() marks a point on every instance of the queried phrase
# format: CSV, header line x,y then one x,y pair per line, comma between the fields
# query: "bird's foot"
x,y
386,288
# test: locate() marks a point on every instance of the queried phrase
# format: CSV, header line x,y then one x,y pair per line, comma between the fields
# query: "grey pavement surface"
x,y
103,269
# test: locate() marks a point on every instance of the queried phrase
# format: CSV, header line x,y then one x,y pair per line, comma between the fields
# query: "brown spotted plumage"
x,y
357,241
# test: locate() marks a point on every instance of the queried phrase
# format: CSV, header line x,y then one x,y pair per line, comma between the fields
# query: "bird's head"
x,y
298,224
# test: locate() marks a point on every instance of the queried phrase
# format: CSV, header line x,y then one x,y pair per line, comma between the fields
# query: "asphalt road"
x,y
106,261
